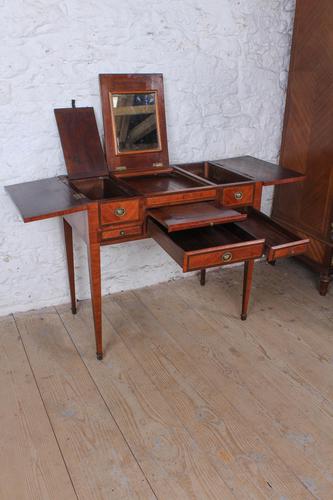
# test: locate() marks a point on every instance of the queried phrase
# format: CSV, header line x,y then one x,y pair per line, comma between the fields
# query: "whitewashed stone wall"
x,y
225,66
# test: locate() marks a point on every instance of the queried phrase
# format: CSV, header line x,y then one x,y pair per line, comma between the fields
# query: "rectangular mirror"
x,y
135,121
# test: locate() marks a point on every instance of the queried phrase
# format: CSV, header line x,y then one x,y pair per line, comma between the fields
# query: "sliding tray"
x,y
178,217
279,242
206,247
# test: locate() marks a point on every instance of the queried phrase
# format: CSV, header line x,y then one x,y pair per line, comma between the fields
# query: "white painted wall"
x,y
225,67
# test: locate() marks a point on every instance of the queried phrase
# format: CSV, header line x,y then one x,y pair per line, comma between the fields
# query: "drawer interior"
x,y
192,215
162,183
98,188
213,173
203,238
279,242
210,237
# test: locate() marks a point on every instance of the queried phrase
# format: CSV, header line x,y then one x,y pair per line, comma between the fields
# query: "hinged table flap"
x,y
46,198
260,171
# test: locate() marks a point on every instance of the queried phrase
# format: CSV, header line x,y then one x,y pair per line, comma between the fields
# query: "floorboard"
x,y
224,360
31,464
230,441
98,459
164,448
189,402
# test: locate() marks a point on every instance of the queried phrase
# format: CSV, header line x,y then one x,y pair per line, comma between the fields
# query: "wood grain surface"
x,y
189,401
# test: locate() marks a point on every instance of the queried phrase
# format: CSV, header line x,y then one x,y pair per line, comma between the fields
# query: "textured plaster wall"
x,y
225,67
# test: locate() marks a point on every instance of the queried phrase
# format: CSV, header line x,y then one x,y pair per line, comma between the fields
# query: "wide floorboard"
x,y
189,402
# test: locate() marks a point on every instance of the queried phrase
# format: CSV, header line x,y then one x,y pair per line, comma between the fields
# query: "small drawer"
x,y
279,242
122,232
206,247
120,211
237,196
290,249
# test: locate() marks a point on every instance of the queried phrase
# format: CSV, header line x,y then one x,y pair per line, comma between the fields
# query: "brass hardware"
x,y
120,212
238,195
122,233
227,256
158,164
121,168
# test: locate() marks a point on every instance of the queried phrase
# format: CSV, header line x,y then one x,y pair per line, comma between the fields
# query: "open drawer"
x,y
205,247
279,242
178,217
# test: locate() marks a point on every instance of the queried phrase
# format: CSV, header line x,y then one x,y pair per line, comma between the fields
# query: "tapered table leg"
x,y
203,277
247,284
70,262
324,283
94,257
96,294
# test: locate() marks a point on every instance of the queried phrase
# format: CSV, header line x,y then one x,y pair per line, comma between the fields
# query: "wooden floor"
x,y
189,402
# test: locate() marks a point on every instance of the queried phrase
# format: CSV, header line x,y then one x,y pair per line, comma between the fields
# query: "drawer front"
x,y
122,232
120,211
172,199
288,250
316,250
237,196
227,255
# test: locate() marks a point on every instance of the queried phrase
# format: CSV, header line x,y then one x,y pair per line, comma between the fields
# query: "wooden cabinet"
x,y
307,145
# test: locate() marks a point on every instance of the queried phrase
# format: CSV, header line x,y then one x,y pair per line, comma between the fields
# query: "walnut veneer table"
x,y
203,214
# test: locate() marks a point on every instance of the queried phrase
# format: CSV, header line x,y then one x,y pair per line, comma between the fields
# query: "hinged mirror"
x,y
134,122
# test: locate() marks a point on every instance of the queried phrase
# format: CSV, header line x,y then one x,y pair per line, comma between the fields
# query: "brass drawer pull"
x,y
238,195
227,256
122,233
119,212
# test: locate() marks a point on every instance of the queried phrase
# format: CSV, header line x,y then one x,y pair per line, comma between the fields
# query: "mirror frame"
x,y
127,161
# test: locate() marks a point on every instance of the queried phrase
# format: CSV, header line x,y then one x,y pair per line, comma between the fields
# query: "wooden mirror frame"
x,y
132,161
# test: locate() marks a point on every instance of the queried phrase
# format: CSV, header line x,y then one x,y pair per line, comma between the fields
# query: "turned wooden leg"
x,y
324,283
70,262
248,274
203,277
96,293
272,262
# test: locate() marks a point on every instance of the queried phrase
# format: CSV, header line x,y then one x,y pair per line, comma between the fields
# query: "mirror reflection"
x,y
135,122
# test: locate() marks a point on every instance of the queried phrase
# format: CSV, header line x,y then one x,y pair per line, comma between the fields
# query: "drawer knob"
x,y
227,256
238,195
122,233
119,212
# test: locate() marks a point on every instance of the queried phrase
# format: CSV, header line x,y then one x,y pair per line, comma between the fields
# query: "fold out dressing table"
x,y
203,214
